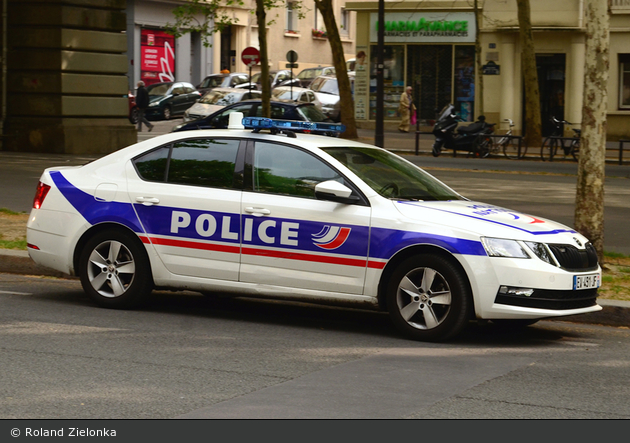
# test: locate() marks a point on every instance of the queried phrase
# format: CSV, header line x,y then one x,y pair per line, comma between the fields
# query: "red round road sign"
x,y
250,56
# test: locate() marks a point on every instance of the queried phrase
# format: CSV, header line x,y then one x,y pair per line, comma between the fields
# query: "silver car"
x,y
216,99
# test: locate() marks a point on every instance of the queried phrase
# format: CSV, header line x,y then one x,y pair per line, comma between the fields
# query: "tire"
x,y
549,149
133,115
114,270
428,298
481,146
510,150
167,113
575,150
436,150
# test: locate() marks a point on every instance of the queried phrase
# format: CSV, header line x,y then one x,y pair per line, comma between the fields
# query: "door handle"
x,y
148,201
257,211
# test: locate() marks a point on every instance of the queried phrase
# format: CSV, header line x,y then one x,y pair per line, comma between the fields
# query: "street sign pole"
x,y
292,57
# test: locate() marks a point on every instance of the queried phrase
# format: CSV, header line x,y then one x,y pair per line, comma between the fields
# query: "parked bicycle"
x,y
509,145
557,145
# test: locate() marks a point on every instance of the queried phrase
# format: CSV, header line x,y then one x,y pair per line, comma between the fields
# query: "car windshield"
x,y
325,85
158,89
391,176
311,113
220,98
310,73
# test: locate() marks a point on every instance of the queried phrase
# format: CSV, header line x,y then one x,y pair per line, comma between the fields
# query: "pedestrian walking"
x,y
406,109
142,102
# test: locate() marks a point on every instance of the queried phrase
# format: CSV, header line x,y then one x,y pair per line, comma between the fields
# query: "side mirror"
x,y
332,190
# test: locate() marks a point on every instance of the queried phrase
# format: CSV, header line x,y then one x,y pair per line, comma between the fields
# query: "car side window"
x,y
152,165
285,170
203,162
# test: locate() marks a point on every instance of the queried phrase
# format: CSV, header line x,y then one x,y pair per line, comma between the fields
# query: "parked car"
x,y
276,78
133,109
306,76
216,99
306,218
169,99
326,89
280,109
297,94
230,80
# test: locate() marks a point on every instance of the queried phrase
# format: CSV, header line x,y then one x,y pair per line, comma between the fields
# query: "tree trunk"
x,y
533,135
261,16
589,199
339,62
479,79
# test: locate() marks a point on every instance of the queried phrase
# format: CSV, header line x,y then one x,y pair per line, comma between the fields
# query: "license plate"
x,y
590,281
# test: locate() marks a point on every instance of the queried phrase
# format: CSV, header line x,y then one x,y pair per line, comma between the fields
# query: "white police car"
x,y
294,216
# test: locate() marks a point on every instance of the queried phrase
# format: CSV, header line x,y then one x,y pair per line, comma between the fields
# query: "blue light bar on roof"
x,y
258,123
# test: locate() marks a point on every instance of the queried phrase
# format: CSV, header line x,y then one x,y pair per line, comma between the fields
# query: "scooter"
x,y
468,138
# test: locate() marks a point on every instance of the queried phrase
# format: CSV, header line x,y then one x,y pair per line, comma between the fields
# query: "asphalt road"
x,y
189,356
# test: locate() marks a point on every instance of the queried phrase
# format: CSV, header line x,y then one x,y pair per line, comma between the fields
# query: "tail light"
x,y
40,195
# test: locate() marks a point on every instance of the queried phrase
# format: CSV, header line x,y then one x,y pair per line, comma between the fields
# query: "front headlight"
x,y
501,247
541,250
153,104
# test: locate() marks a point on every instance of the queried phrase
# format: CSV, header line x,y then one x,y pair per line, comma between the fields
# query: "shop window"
x,y
393,80
465,82
624,81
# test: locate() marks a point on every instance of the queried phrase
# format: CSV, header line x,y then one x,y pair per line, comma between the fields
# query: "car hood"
x,y
204,109
327,99
157,98
484,219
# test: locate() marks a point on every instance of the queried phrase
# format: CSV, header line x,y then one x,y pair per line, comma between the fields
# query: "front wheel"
x,y
428,298
549,149
133,115
167,113
114,270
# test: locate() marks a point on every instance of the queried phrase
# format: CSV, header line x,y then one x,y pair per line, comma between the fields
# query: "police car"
x,y
262,211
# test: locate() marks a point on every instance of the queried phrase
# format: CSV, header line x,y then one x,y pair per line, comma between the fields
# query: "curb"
x,y
614,312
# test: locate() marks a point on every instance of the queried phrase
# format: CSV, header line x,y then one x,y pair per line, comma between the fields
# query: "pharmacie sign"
x,y
405,27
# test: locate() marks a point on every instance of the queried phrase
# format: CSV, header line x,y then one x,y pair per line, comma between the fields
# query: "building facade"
x,y
431,47
154,55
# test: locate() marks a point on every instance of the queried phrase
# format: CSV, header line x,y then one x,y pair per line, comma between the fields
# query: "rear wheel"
x,y
575,149
115,270
428,298
436,150
133,115
481,146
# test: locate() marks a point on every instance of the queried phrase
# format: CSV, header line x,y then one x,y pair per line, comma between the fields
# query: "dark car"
x,y
281,110
306,76
169,99
230,80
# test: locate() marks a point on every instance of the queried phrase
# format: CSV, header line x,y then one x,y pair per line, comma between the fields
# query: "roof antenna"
x,y
236,121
